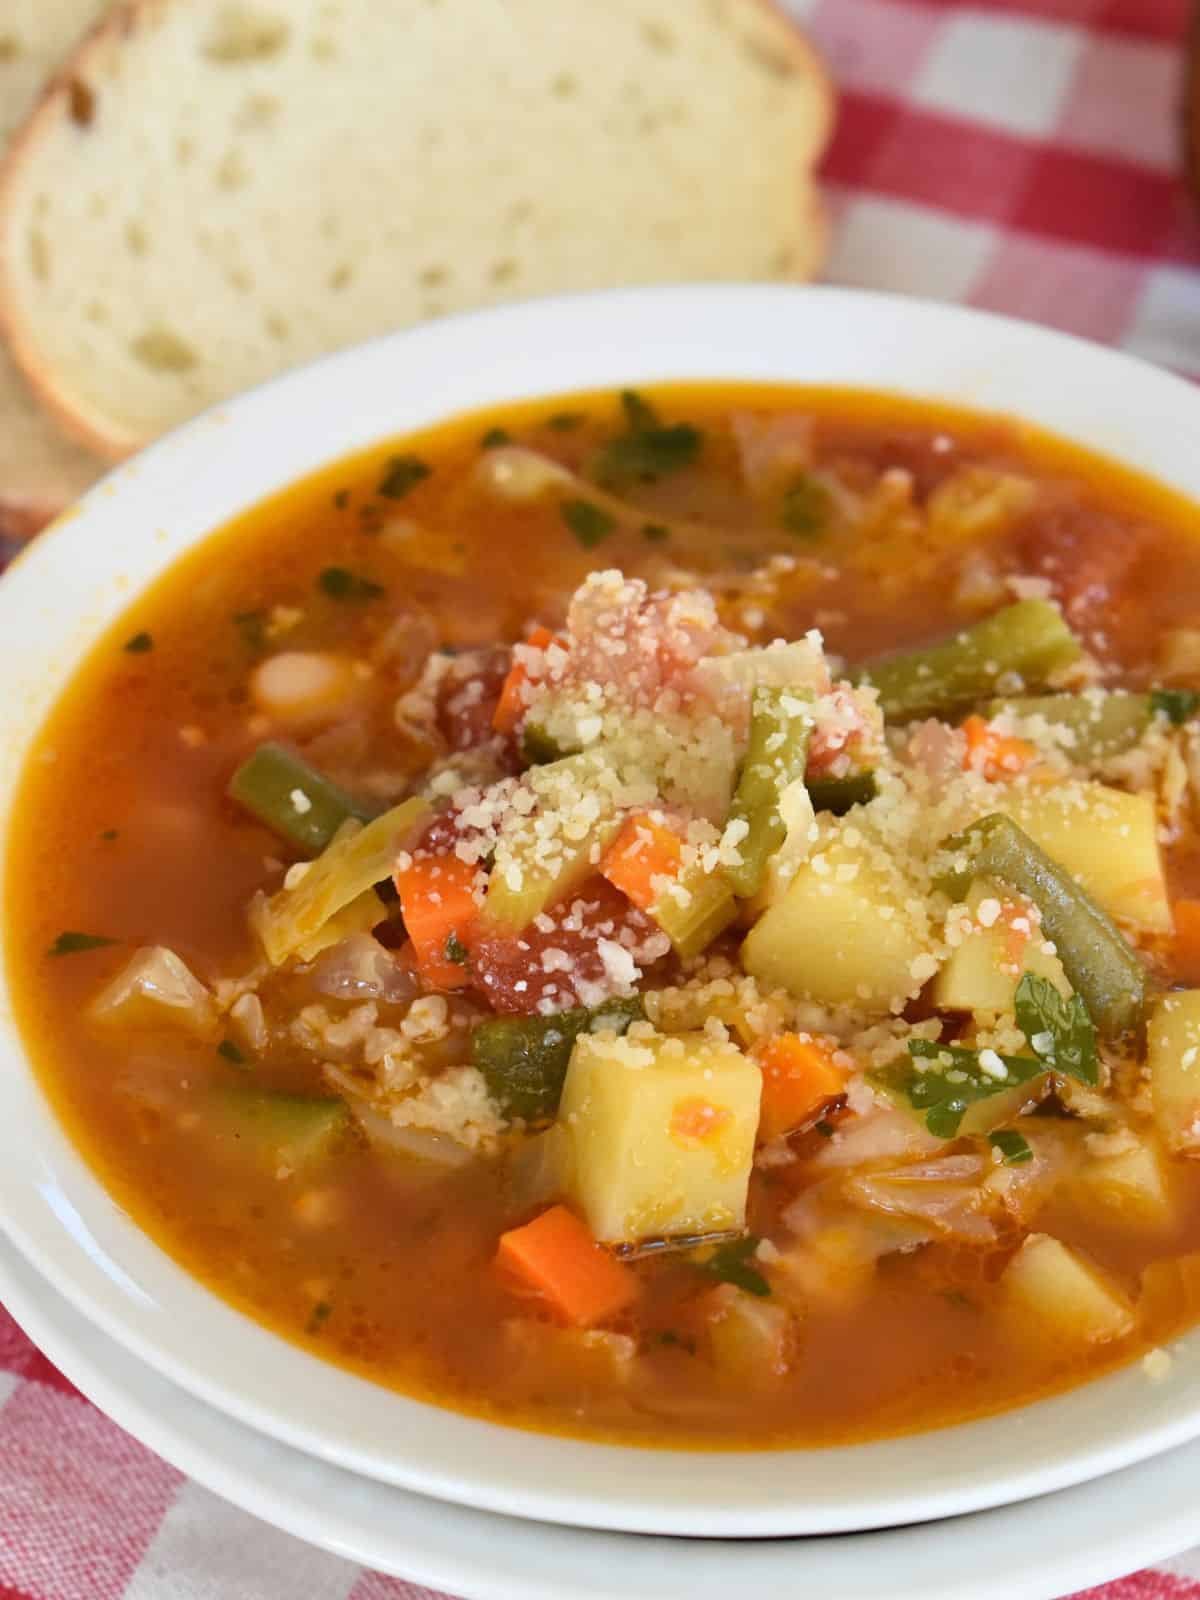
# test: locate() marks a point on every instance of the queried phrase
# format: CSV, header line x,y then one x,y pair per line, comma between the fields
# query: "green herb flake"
x,y
1013,1146
825,1129
953,1081
456,951
339,583
252,625
229,1051
402,475
495,439
109,834
589,522
342,499
1177,705
70,943
648,449
370,518
805,509
731,1263
139,644
677,1341
566,421
1059,1031
655,532
956,1297
318,1317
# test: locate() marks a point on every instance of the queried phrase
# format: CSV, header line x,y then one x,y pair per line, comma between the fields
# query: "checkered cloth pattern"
x,y
1021,155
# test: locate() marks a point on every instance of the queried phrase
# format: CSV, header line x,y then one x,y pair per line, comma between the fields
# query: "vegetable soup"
x,y
667,917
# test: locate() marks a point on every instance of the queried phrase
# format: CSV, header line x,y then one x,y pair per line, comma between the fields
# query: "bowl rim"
x,y
62,594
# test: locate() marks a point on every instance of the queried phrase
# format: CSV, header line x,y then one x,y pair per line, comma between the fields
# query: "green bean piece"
x,y
1103,724
1029,638
839,794
291,798
1101,967
524,1060
780,725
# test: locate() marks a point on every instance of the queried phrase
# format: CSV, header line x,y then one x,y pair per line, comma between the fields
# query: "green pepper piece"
x,y
293,799
1103,724
780,725
1029,638
1101,967
524,1060
839,794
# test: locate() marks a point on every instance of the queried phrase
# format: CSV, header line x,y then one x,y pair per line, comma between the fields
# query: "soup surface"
x,y
740,996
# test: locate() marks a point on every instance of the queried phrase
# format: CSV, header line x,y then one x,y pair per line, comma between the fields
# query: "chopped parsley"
x,y
805,507
825,1129
566,421
339,583
109,833
1013,1146
677,1341
731,1263
230,1052
495,439
589,522
370,517
1177,705
655,532
402,475
1059,1031
139,644
648,449
252,625
456,951
953,1080
70,943
318,1317
342,499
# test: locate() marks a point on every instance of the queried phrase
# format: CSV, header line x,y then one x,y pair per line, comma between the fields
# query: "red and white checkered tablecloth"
x,y
1021,155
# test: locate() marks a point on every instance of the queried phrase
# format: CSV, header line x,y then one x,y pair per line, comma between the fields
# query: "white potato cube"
x,y
982,973
1053,1293
1173,1053
1106,839
1131,1186
847,932
662,1134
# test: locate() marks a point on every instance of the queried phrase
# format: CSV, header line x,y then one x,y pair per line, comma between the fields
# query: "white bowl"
x,y
78,578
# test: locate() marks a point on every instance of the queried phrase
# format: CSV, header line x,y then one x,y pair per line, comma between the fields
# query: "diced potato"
x,y
1106,839
1131,1186
981,974
157,989
1170,1289
1055,1293
661,1133
1173,1053
750,1338
544,854
846,932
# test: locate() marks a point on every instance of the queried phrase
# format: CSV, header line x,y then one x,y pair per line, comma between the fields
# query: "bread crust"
x,y
101,434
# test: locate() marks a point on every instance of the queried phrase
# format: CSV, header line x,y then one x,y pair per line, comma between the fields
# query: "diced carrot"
x,y
556,1256
800,1079
995,755
1187,940
511,704
437,900
642,852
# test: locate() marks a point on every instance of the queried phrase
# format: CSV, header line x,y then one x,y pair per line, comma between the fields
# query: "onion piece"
x,y
157,988
946,1194
359,968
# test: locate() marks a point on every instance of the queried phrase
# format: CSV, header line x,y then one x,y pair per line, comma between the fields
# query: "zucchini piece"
x,y
693,923
1103,724
282,1130
524,1060
1173,1053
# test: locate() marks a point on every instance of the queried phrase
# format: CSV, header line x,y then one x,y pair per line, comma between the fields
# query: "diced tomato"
x,y
468,696
559,958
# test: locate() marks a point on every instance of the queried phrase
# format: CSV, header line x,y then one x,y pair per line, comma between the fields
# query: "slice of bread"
x,y
41,472
215,190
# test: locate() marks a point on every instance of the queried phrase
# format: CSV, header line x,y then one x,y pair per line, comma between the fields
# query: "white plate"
x,y
1039,1550
81,575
